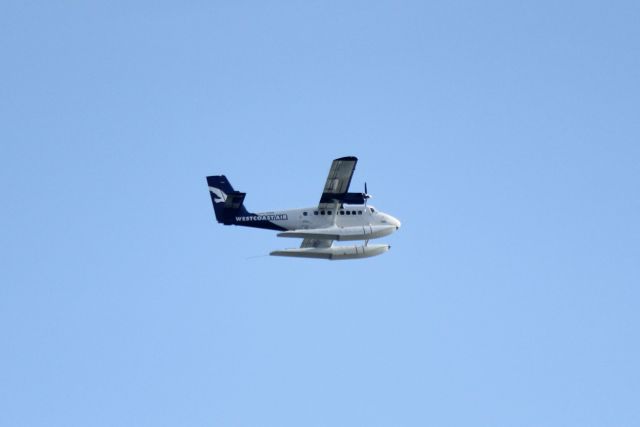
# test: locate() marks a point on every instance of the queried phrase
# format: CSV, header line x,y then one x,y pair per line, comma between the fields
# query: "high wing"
x,y
335,188
338,181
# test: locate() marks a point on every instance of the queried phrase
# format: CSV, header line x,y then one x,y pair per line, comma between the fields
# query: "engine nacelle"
x,y
354,198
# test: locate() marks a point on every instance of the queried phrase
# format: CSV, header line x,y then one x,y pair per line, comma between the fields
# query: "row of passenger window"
x,y
341,212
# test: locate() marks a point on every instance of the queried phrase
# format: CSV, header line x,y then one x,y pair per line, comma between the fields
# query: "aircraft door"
x,y
305,223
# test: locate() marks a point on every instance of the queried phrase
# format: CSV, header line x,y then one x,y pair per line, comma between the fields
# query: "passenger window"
x,y
348,213
304,213
359,212
328,212
341,212
321,212
315,212
353,212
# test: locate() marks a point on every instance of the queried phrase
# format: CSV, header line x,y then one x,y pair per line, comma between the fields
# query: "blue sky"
x,y
504,135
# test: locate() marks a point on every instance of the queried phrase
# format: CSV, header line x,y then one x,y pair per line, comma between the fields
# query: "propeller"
x,y
366,195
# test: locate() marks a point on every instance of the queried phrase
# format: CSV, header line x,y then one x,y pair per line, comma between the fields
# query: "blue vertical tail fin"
x,y
227,203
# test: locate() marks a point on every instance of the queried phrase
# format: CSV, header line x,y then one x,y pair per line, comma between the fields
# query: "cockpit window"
x,y
372,210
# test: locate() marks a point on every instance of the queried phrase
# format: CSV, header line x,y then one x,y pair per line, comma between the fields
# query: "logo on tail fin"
x,y
221,196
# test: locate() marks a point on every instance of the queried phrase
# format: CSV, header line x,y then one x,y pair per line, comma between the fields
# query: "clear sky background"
x,y
504,135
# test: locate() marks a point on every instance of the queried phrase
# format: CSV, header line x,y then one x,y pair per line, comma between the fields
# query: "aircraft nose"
x,y
395,222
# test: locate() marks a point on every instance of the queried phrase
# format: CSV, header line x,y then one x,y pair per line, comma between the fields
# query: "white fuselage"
x,y
348,218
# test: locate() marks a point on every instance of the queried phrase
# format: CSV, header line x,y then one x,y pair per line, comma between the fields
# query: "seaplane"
x,y
339,216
